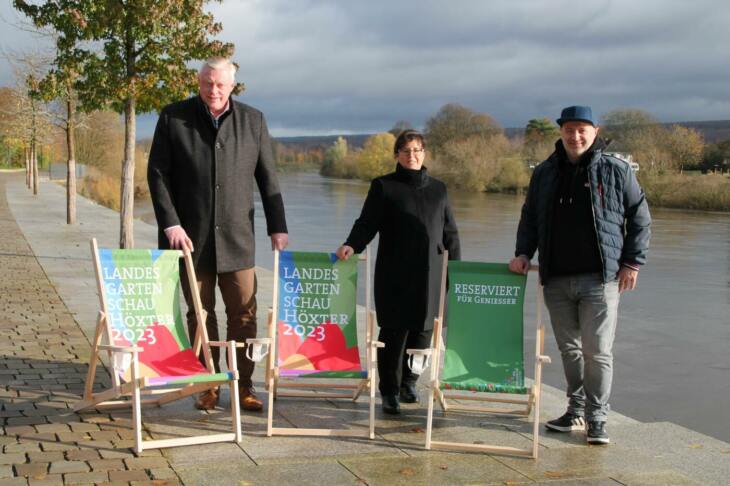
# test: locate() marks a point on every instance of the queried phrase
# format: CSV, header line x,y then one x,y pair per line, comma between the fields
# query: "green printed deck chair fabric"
x,y
141,296
317,317
484,334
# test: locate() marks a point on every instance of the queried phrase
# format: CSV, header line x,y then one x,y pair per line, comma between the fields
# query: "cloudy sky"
x,y
323,67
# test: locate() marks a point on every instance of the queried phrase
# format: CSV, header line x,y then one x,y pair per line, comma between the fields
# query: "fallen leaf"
x,y
553,474
696,446
417,430
408,471
443,467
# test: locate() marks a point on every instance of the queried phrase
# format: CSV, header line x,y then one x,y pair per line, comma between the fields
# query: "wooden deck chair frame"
x,y
129,394
529,402
278,387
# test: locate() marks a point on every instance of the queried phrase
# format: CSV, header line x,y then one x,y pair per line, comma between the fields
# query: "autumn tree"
x,y
686,147
334,157
399,127
133,57
656,148
26,113
376,157
540,137
455,122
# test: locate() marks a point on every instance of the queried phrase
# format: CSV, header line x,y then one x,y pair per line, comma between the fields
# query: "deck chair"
x,y
483,355
141,329
314,339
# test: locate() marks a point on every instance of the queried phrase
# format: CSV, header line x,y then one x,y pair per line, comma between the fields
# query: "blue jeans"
x,y
583,312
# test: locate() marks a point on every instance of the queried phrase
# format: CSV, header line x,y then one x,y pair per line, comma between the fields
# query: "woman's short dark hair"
x,y
408,136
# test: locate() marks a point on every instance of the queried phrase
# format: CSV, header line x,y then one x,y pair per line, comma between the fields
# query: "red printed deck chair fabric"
x,y
142,306
316,318
484,337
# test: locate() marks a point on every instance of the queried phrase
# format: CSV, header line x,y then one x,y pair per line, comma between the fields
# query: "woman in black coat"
x,y
411,212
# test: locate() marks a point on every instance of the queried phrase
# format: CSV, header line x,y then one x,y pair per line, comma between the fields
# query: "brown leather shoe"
x,y
249,401
207,400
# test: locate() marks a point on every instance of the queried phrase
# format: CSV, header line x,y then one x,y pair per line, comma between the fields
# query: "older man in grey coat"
x,y
206,153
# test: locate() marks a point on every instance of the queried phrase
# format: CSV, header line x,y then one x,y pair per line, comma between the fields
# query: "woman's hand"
x,y
344,252
520,264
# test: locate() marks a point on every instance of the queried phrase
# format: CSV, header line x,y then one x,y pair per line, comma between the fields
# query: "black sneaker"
x,y
408,394
567,423
596,433
391,405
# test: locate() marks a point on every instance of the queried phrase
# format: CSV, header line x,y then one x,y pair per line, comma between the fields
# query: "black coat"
x,y
202,179
411,212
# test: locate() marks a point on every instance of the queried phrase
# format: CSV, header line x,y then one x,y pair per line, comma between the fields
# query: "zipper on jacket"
x,y
595,227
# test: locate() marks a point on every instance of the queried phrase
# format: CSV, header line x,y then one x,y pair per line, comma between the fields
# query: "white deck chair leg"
x,y
235,407
429,417
136,405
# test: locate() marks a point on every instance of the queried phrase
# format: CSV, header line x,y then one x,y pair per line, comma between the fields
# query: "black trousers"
x,y
392,359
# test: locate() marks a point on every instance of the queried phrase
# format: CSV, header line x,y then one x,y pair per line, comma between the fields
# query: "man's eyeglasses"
x,y
411,151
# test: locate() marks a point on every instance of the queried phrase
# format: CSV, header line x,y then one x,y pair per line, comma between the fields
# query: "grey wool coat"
x,y
202,179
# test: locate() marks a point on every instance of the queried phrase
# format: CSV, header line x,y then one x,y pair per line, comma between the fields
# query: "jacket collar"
x,y
417,178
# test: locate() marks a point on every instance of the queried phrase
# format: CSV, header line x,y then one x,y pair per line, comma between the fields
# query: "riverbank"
x,y
705,192
699,192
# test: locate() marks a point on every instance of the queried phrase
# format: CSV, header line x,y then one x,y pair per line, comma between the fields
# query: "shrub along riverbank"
x,y
707,192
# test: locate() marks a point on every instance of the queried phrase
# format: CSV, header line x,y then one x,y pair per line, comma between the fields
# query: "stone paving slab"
x,y
48,314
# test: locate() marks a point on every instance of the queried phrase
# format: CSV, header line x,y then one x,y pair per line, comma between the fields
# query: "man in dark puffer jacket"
x,y
588,218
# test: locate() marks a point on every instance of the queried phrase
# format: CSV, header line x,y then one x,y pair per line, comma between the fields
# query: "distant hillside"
x,y
712,131
322,141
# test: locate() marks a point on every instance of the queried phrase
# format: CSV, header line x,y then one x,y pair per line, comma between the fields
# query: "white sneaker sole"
x,y
570,428
598,440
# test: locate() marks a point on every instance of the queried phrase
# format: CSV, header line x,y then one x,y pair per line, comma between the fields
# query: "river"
x,y
672,349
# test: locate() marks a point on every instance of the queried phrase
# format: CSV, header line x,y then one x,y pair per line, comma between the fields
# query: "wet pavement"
x,y
47,316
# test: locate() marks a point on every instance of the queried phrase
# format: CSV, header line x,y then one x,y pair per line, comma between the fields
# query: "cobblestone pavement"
x,y
43,363
47,310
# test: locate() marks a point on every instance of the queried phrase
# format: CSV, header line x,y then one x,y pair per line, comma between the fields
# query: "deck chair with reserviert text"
x,y
140,327
483,359
314,336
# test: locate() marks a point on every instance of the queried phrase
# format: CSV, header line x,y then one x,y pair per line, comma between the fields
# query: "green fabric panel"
x,y
484,334
326,374
203,378
152,278
485,388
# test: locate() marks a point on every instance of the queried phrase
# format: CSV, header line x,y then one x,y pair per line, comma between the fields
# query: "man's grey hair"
x,y
219,63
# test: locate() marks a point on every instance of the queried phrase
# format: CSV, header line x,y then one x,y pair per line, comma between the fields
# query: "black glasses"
x,y
411,151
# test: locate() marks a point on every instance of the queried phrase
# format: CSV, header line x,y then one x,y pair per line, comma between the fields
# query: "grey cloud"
x,y
321,66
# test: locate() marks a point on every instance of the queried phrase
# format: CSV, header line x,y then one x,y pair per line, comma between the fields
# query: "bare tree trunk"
x,y
126,212
34,162
28,168
71,164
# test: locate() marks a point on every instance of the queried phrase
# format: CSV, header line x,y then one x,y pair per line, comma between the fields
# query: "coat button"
x,y
218,145
217,227
217,187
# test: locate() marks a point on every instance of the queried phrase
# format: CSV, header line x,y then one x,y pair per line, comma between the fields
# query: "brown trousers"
x,y
239,296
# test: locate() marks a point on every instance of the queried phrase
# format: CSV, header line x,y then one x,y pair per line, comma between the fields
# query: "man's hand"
x,y
627,279
344,252
178,239
279,241
520,264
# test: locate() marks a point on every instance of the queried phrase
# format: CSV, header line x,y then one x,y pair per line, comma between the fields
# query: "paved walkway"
x,y
47,308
